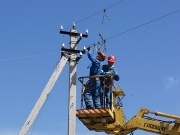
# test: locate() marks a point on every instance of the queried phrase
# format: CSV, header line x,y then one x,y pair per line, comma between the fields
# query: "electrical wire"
x,y
98,43
141,25
96,13
99,11
25,57
17,58
144,24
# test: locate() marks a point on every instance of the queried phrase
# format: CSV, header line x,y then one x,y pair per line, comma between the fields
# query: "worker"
x,y
93,89
112,74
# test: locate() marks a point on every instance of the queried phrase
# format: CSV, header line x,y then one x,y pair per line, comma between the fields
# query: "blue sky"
x,y
148,58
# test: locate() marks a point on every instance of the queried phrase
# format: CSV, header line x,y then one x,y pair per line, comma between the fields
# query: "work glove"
x,y
114,73
88,49
108,73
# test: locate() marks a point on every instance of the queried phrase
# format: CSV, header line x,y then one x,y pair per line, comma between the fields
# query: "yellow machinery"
x,y
112,121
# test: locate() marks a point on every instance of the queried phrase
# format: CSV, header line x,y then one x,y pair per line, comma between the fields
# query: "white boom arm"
x,y
44,95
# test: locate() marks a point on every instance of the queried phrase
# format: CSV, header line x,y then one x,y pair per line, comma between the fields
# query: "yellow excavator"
x,y
112,120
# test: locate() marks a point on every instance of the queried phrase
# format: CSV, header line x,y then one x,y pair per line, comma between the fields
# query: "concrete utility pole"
x,y
67,55
74,40
72,86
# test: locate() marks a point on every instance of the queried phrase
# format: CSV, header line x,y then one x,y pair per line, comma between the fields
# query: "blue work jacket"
x,y
95,68
106,68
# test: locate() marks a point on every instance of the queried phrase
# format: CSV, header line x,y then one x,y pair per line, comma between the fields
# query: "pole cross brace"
x,y
73,33
73,50
68,51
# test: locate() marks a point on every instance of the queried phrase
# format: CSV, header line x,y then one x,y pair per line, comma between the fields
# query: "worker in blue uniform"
x,y
111,74
93,89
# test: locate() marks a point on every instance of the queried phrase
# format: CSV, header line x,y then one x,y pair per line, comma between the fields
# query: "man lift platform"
x,y
95,116
100,119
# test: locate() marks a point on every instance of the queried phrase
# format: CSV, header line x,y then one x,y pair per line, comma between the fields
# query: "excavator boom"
x,y
149,124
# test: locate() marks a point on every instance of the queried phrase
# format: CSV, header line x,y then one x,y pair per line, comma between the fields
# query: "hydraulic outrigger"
x,y
112,120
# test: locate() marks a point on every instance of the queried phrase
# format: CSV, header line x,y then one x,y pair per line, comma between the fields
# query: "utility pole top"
x,y
73,33
75,38
74,41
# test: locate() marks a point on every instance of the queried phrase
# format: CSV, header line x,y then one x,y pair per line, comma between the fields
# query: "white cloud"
x,y
171,82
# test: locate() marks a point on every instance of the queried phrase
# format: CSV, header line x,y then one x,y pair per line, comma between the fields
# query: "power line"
x,y
141,25
25,57
99,11
92,45
114,4
96,13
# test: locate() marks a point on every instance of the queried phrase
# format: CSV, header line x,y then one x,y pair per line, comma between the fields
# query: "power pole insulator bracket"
x,y
65,52
73,33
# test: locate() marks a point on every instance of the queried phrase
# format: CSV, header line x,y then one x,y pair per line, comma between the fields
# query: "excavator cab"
x,y
103,119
